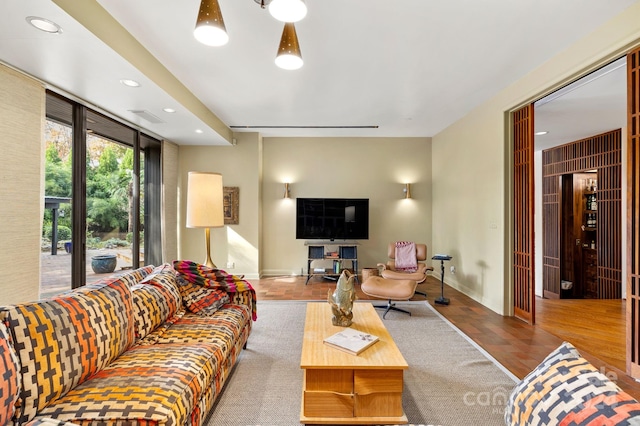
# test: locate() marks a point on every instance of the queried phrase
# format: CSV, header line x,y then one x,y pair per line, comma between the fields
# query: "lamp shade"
x,y
289,56
204,200
210,29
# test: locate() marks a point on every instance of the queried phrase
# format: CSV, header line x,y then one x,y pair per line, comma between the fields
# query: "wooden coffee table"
x,y
340,388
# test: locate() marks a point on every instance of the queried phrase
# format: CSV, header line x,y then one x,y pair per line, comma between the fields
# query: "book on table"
x,y
351,341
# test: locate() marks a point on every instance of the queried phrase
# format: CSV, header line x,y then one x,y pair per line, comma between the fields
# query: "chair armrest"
x,y
423,268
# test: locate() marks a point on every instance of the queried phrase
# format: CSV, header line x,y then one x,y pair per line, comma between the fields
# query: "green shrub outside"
x,y
64,233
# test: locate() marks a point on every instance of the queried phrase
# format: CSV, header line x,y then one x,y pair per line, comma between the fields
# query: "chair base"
x,y
422,293
390,307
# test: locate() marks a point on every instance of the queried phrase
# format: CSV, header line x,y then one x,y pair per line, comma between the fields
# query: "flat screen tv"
x,y
332,218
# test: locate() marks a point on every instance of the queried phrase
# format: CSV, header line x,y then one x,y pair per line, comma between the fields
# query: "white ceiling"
x,y
410,67
595,104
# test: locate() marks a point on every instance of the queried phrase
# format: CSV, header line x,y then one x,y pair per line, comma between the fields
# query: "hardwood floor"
x,y
595,327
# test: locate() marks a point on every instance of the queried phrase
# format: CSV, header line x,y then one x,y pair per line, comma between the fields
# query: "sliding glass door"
x,y
98,203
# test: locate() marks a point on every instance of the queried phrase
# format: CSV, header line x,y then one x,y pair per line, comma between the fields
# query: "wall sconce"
x,y
407,190
286,190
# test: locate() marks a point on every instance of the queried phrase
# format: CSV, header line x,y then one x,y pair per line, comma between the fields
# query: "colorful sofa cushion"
x,y
164,277
10,377
151,309
155,299
46,421
565,389
156,384
65,340
223,328
129,277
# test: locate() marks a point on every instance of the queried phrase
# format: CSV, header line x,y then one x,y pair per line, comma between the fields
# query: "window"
x,y
102,197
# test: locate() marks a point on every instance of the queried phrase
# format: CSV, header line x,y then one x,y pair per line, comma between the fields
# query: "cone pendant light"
x,y
289,56
210,29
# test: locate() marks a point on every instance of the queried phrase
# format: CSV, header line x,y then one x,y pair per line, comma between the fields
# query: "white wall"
x,y
373,168
475,153
264,242
22,107
240,166
468,207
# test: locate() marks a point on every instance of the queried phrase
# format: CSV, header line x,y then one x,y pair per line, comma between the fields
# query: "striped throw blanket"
x,y
406,260
215,279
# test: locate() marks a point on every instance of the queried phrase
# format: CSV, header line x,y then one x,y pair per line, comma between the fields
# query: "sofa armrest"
x,y
242,298
242,293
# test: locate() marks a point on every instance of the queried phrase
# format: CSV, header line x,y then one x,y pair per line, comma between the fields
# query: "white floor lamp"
x,y
205,205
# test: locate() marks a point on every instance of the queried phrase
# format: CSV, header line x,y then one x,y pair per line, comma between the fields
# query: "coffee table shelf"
x,y
340,388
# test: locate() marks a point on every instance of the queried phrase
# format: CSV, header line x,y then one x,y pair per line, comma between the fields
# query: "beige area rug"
x,y
450,380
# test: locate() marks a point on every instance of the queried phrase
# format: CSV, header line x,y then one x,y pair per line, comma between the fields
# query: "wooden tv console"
x,y
345,251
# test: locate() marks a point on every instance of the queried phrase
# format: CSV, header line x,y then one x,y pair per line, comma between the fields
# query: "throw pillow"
x,y
201,300
566,389
164,278
151,308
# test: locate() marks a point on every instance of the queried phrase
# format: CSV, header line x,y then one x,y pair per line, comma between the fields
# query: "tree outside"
x,y
109,188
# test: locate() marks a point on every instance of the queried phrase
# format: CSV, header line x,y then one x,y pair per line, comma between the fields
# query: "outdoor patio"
x,y
56,269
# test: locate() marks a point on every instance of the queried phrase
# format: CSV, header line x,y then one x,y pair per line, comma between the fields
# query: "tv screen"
x,y
332,218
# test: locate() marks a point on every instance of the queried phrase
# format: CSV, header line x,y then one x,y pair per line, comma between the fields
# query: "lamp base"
x,y
442,301
207,261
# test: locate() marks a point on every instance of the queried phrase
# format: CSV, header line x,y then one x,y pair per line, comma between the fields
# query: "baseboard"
x,y
457,285
272,273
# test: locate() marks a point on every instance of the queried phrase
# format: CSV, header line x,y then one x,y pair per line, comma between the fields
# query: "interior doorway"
x,y
591,106
582,218
579,236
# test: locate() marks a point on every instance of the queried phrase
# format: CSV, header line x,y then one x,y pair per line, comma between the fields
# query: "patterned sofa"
x,y
565,389
120,351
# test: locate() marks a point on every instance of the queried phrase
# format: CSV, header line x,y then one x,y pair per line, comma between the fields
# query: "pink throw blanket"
x,y
406,260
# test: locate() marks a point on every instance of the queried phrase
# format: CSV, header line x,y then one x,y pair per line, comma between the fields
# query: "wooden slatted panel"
x,y
550,237
633,214
604,153
610,224
523,198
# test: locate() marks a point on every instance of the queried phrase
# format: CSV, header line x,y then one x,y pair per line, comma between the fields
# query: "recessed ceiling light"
x,y
130,83
44,25
169,110
199,131
543,132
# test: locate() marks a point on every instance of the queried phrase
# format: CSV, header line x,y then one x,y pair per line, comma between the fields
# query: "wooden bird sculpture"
x,y
342,298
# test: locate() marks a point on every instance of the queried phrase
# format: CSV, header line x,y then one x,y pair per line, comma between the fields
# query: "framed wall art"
x,y
231,202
